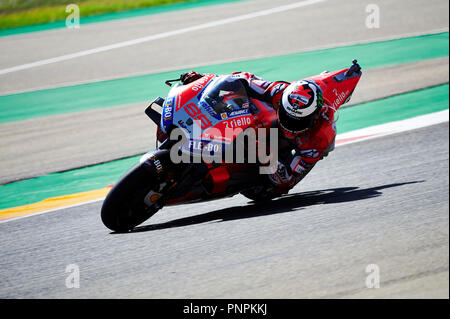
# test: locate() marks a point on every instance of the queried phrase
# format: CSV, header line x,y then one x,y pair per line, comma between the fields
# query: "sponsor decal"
x,y
196,145
238,112
299,166
189,91
340,97
168,108
238,122
205,146
157,164
298,98
200,83
212,147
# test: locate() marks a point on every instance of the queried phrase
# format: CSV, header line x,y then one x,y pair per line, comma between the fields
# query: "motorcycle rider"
x,y
305,122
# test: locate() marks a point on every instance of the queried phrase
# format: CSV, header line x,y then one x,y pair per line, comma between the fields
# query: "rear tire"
x,y
124,206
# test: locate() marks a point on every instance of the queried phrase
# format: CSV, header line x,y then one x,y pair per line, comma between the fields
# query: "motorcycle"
x,y
203,110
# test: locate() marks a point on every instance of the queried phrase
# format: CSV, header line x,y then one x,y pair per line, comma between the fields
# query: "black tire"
x,y
124,206
259,194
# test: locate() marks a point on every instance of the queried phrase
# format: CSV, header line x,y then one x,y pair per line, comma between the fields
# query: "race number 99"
x,y
197,115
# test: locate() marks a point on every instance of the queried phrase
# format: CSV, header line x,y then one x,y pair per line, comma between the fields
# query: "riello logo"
x,y
239,122
200,83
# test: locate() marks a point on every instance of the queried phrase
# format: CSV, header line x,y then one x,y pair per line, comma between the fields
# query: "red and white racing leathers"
x,y
309,146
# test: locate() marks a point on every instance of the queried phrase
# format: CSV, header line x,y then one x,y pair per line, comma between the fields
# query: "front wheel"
x,y
260,194
124,206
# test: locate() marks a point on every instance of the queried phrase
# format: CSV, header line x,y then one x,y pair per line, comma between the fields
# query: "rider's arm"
x,y
260,89
308,150
256,87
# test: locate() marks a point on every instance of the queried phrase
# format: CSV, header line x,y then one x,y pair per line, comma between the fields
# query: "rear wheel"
x,y
124,206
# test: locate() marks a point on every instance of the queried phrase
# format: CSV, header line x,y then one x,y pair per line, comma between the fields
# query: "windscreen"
x,y
225,94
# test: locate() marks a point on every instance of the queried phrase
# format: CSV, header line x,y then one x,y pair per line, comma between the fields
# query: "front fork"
x,y
174,180
157,162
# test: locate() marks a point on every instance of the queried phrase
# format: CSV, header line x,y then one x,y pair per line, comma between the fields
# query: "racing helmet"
x,y
300,106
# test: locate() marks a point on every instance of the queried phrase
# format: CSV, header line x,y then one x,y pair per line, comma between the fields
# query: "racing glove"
x,y
283,177
189,77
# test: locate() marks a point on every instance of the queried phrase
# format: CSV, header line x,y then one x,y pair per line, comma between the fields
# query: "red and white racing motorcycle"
x,y
201,109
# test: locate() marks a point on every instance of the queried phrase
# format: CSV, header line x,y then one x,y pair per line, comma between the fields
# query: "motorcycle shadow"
x,y
284,204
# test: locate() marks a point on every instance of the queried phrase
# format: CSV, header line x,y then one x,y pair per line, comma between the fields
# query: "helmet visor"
x,y
295,125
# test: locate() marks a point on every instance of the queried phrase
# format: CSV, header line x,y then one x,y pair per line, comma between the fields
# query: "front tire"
x,y
124,206
260,194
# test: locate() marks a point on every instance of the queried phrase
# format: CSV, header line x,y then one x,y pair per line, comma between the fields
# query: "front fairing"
x,y
174,111
205,109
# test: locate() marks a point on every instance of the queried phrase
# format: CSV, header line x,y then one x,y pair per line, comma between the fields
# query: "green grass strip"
x,y
28,23
22,106
95,177
395,108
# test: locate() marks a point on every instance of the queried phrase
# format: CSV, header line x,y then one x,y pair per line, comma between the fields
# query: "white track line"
x,y
395,127
161,36
259,56
375,131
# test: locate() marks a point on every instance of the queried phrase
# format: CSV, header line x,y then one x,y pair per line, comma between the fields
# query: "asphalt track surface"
x,y
383,201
